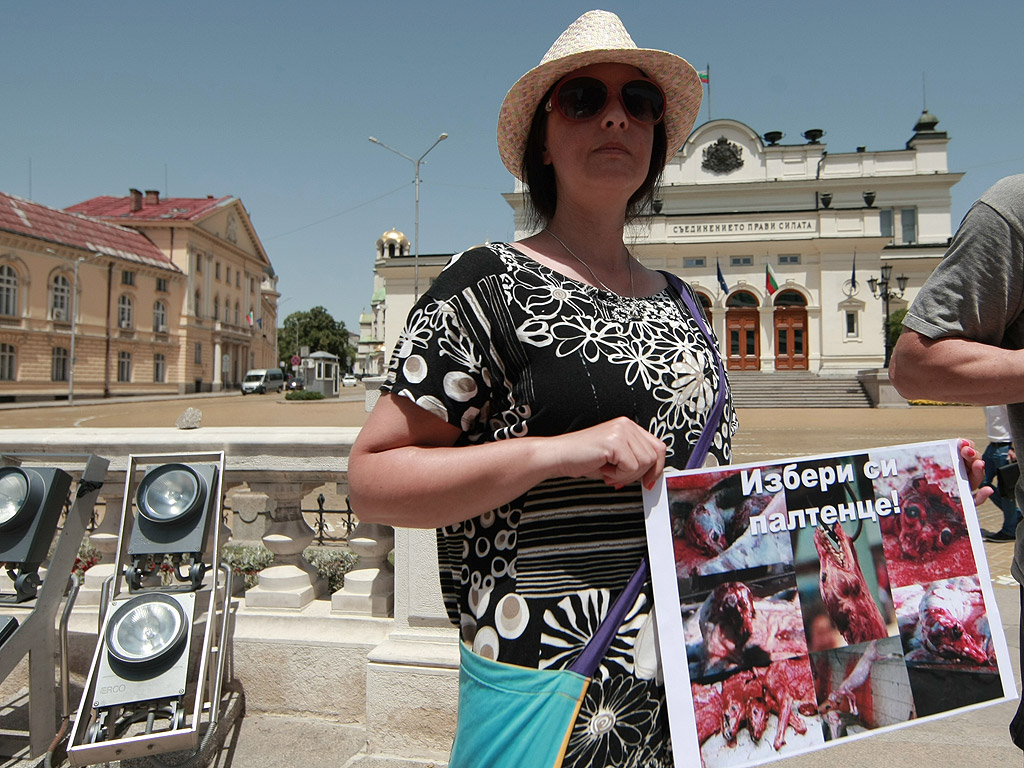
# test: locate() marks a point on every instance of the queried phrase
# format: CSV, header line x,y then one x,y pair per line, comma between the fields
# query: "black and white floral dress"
x,y
501,346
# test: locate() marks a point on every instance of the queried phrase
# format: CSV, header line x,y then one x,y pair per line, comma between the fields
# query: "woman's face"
x,y
607,154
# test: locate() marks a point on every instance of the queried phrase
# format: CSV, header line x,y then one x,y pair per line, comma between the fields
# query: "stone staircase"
x,y
795,389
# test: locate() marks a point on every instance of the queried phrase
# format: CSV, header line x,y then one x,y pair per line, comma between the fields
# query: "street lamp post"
x,y
880,290
74,321
416,240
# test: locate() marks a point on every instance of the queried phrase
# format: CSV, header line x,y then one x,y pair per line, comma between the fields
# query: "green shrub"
x,y
247,561
331,563
304,394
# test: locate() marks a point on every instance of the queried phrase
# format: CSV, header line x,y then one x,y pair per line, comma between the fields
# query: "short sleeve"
x,y
438,365
976,291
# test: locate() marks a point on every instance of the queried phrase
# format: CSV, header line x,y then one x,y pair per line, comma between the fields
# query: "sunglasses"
x,y
583,98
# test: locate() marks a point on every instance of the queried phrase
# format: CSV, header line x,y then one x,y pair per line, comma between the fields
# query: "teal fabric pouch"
x,y
512,716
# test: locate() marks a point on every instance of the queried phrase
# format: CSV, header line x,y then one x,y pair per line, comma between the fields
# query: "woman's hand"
x,y
619,452
975,466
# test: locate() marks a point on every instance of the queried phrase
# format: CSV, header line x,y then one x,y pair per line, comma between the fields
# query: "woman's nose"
x,y
615,113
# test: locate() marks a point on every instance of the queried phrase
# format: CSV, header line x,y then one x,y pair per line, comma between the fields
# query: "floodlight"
x,y
145,657
175,508
31,501
146,630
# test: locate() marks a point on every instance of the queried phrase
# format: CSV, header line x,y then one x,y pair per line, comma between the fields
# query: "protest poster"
x,y
807,601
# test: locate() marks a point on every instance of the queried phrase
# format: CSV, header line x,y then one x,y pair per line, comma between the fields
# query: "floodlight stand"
x,y
35,636
184,734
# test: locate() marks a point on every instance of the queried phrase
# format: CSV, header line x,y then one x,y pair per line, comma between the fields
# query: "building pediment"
x,y
231,224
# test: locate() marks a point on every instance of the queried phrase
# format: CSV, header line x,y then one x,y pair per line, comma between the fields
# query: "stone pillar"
x,y
412,677
369,587
104,539
218,377
291,582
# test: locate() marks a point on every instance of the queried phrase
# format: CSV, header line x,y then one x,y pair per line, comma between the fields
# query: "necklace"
x,y
629,265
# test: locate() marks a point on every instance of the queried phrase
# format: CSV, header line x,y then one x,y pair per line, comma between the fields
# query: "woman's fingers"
x,y
975,466
619,452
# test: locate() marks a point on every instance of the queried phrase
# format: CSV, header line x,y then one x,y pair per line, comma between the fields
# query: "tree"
x,y
317,330
896,325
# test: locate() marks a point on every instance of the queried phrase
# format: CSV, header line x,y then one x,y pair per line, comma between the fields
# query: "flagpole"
x,y
708,70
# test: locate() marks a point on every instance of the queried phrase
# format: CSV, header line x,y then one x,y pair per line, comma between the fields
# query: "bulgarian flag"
x,y
705,75
771,283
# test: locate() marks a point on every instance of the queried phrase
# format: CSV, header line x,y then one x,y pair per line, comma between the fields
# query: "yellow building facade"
x,y
227,318
176,297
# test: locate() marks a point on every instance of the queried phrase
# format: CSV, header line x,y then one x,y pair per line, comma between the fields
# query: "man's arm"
x,y
955,369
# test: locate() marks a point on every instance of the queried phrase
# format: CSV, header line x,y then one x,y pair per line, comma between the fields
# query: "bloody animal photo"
x,y
928,539
862,687
711,525
742,624
842,577
754,713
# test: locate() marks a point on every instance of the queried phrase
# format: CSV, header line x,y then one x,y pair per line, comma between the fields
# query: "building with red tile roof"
x,y
144,295
77,288
229,316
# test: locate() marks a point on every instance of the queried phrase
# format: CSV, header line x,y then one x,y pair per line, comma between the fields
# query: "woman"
x,y
536,384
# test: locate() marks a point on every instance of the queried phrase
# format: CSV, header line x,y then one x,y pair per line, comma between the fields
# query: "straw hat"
x,y
597,37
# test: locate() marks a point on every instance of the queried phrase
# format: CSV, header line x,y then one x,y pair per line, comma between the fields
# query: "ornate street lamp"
x,y
880,290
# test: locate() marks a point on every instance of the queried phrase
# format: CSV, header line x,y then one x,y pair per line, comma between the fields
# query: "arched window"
x,y
8,290
60,299
124,312
8,362
741,300
159,317
790,298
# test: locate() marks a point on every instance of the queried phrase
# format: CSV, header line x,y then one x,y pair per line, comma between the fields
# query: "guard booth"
x,y
323,373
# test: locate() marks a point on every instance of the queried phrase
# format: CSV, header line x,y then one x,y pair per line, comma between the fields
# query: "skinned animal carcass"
x,y
931,520
945,623
844,590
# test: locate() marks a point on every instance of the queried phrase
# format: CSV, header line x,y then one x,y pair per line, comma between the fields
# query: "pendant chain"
x,y
629,265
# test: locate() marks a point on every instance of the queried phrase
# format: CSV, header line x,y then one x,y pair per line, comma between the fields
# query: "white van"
x,y
263,380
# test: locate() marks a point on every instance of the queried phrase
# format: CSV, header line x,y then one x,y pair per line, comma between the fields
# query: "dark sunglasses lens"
x,y
581,98
643,100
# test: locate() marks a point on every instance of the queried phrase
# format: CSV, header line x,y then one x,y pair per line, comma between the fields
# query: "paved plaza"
x,y
977,739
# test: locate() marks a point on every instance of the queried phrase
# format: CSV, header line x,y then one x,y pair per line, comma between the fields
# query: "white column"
x,y
218,383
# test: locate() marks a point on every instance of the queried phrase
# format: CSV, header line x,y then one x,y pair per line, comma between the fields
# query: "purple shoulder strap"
x,y
700,450
590,657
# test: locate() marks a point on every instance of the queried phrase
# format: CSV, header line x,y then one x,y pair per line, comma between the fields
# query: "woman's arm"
x,y
405,470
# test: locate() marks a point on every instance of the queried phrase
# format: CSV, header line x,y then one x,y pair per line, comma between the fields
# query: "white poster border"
x,y
669,621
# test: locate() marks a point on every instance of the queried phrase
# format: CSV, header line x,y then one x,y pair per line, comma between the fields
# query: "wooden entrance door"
x,y
743,333
790,331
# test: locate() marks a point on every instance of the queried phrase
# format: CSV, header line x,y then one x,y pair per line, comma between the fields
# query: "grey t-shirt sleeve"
x,y
977,291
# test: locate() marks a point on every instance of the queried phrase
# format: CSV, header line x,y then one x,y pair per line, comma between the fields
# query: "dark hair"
x,y
541,193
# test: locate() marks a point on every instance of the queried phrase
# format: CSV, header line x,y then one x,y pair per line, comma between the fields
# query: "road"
x,y
221,410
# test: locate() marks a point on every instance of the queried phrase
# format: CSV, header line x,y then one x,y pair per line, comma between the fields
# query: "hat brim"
x,y
677,78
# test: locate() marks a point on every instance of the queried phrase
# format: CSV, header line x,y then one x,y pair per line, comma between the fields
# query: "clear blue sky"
x,y
274,102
